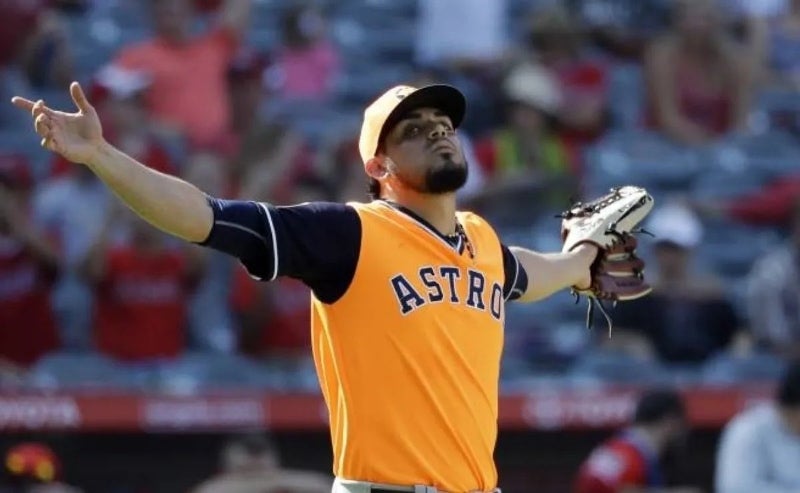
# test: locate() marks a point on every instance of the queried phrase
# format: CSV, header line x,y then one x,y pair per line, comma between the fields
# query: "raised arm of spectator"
x,y
236,15
93,266
21,228
660,78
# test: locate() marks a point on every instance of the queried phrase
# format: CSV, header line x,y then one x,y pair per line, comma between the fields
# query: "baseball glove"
x,y
609,222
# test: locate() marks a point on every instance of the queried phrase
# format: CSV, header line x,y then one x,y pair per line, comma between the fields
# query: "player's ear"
x,y
376,167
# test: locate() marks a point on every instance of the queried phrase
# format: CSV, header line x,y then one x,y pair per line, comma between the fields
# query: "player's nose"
x,y
438,131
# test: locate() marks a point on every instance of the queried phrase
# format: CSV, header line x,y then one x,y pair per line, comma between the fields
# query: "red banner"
x,y
550,410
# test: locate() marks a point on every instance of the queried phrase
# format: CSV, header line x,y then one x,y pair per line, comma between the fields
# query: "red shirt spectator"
x,y
141,304
773,204
25,15
189,75
618,464
28,268
27,326
275,316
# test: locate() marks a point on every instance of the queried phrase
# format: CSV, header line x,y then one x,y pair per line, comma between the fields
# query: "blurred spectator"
x,y
631,461
783,45
774,294
272,158
32,467
441,41
246,89
118,96
557,43
210,321
141,289
526,150
773,204
29,264
622,27
306,65
340,162
250,463
189,74
687,318
467,42
71,209
759,448
700,82
35,42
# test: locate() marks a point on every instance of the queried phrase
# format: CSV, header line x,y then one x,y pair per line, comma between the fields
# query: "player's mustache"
x,y
441,143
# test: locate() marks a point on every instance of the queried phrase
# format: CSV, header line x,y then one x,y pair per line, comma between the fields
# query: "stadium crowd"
x,y
261,99
698,100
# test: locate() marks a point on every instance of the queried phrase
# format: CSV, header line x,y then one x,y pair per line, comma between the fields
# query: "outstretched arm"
x,y
551,272
168,203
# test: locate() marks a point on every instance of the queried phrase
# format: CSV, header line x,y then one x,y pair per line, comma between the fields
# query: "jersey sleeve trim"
x,y
514,289
275,256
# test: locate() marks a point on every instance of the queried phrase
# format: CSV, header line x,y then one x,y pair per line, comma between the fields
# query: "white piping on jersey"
x,y
516,275
433,233
243,228
274,242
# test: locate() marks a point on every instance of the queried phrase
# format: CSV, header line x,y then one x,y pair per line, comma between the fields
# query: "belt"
x,y
351,486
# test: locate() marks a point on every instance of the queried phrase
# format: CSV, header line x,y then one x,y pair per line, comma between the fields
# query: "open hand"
x,y
75,136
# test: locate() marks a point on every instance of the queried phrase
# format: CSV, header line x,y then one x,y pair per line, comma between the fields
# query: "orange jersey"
x,y
409,357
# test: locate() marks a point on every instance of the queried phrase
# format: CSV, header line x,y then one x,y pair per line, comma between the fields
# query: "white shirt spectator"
x,y
773,293
758,454
461,30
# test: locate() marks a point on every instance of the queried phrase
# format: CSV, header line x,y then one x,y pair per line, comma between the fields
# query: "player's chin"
x,y
448,160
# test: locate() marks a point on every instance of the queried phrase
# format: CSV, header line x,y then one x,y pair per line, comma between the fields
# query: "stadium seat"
x,y
616,367
730,248
86,370
626,95
726,368
777,109
197,371
641,157
23,140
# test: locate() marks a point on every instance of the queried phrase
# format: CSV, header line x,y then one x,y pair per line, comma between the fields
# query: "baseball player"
x,y
408,293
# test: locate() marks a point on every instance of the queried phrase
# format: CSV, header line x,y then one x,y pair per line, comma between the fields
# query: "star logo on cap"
x,y
402,92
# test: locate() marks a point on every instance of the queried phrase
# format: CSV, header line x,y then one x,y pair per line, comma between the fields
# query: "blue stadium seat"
x,y
196,371
626,95
23,140
641,157
726,368
616,367
85,370
730,248
778,109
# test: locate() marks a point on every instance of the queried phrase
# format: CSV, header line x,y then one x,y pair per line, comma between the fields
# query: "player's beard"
x,y
445,178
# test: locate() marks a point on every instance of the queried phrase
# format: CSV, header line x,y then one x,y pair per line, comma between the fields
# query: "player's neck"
x,y
438,210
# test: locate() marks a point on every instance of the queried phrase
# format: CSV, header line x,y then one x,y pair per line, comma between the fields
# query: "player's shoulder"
x,y
469,217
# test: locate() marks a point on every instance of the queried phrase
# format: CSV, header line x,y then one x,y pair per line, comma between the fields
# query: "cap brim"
x,y
440,96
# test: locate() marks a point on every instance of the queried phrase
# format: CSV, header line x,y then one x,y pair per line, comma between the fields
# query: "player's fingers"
x,y
79,97
40,108
22,103
47,144
42,124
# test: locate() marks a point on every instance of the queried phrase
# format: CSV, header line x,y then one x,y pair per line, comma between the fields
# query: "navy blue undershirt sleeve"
x,y
317,243
516,282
